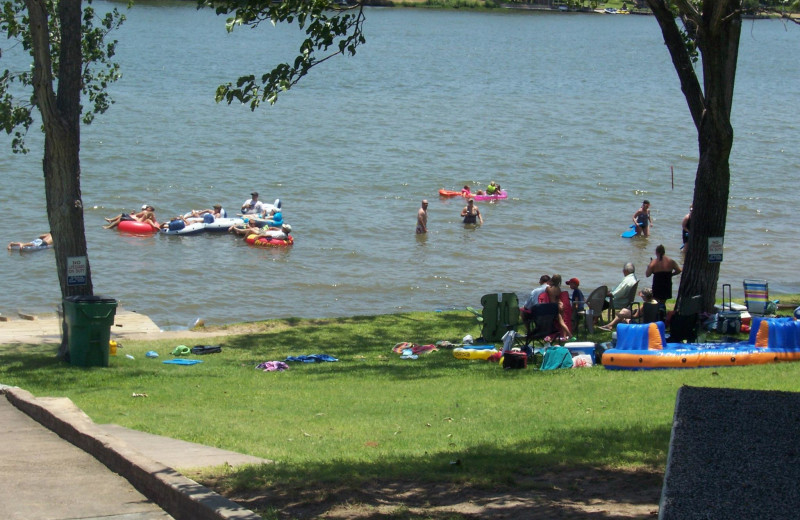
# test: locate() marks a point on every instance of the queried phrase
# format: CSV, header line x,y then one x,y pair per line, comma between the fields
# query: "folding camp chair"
x,y
756,296
649,312
540,322
500,314
624,301
594,307
684,323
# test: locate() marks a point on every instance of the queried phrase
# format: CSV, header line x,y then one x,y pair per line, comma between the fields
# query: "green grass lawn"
x,y
371,414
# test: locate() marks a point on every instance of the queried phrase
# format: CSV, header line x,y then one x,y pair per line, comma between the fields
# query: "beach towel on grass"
x,y
555,358
313,358
181,361
415,349
272,366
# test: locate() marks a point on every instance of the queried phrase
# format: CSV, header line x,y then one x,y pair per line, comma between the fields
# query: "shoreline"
x,y
45,329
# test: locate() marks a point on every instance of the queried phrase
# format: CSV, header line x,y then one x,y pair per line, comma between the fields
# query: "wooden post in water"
x,y
672,173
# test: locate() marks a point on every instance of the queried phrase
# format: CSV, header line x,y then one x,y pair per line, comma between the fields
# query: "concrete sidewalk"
x,y
55,463
46,328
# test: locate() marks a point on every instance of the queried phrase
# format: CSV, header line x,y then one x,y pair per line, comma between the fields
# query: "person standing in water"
x,y
422,218
471,214
685,224
642,220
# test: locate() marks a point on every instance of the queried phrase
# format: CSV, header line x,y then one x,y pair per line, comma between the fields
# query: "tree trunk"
x,y
61,122
709,214
717,27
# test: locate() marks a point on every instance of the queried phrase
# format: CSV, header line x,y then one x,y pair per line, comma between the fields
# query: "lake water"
x,y
579,116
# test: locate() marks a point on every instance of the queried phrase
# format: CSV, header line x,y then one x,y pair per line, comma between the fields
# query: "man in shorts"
x,y
422,218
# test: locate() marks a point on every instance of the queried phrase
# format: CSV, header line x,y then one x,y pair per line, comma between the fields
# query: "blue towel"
x,y
313,358
182,361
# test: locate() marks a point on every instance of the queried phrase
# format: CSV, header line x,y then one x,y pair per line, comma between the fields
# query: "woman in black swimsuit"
x,y
663,268
471,214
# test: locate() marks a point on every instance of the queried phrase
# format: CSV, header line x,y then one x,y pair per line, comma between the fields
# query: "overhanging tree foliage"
x,y
69,59
331,29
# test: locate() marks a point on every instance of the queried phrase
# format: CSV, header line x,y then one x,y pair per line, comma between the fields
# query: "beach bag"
x,y
206,349
555,358
513,360
728,321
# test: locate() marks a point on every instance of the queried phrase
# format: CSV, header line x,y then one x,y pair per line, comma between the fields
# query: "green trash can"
x,y
89,319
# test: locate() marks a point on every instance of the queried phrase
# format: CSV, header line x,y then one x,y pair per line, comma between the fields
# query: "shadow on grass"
x,y
367,341
363,344
572,465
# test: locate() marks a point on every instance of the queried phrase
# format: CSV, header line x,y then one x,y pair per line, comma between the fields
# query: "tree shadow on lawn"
x,y
370,333
366,350
579,473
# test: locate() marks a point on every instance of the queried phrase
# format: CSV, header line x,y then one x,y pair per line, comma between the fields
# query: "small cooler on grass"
x,y
89,319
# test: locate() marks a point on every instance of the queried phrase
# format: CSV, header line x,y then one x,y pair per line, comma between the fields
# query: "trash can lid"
x,y
89,298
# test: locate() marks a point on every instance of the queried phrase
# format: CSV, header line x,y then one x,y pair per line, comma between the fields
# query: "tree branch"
x,y
42,64
681,59
688,10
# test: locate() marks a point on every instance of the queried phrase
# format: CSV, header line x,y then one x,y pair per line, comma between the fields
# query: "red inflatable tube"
x,y
133,226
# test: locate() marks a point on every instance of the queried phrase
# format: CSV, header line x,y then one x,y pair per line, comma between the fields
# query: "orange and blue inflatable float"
x,y
643,347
